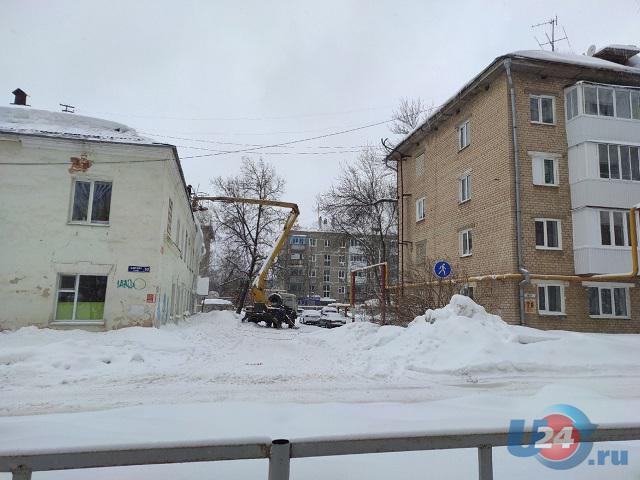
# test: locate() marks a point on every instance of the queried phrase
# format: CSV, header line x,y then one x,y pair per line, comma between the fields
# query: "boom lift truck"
x,y
271,310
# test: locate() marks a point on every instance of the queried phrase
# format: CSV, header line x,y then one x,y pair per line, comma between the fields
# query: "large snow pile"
x,y
66,125
462,338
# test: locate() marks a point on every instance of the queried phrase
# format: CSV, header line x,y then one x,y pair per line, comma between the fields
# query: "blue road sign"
x,y
442,269
140,269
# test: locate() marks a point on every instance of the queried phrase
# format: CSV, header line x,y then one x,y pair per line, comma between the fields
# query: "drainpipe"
x,y
516,161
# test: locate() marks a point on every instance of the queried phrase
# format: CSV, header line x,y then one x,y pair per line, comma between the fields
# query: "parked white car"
x,y
310,317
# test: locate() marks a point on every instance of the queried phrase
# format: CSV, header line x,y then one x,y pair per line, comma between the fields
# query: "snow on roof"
x,y
544,55
573,59
31,121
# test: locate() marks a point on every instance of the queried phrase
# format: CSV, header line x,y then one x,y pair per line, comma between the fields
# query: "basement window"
x,y
80,297
608,302
91,202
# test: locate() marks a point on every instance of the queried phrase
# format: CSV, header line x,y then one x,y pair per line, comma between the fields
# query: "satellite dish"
x,y
591,50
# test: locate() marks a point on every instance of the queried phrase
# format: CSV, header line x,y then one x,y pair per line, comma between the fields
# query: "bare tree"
x,y
362,203
246,232
408,116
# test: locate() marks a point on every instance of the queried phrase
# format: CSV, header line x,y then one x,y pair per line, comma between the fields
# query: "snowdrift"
x,y
462,338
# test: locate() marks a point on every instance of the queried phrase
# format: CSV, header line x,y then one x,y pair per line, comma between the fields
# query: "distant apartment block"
x,y
541,143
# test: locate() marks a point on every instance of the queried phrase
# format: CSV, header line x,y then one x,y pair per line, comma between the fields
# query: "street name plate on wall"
x,y
138,268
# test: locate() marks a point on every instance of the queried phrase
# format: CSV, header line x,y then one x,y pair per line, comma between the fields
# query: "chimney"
x,y
20,97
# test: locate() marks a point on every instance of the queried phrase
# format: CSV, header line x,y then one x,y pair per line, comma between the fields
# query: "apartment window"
x,y
341,290
611,101
619,162
326,290
80,297
571,103
313,242
169,217
341,260
327,275
542,109
548,234
354,243
420,209
545,168
550,299
466,243
327,260
356,258
341,274
464,188
614,228
91,202
313,259
327,243
312,273
464,135
420,165
297,240
608,301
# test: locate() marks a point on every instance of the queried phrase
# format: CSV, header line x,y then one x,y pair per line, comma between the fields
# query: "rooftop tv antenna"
x,y
67,108
551,40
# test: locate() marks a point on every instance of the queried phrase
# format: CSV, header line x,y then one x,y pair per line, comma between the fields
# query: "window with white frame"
x,y
341,275
420,209
542,109
327,260
341,260
295,240
464,188
610,101
327,275
343,244
313,259
419,165
614,228
354,242
548,234
313,242
464,135
341,290
80,297
545,168
312,273
619,162
609,301
327,243
467,290
550,299
326,290
91,202
571,103
466,243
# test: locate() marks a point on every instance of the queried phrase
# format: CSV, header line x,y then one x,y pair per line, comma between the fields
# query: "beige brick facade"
x,y
490,213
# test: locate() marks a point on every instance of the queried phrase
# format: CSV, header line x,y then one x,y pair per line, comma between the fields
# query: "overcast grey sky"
x,y
259,72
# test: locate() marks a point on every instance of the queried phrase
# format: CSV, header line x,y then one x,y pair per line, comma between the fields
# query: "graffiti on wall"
x,y
137,283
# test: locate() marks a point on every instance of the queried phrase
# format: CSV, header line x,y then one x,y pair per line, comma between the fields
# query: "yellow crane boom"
x,y
258,293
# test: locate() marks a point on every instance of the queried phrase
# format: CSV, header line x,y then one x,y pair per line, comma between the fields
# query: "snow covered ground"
x,y
213,377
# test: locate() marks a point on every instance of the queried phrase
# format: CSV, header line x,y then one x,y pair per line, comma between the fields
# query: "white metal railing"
x,y
279,452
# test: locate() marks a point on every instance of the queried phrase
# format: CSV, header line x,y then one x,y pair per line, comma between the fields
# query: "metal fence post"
x,y
22,472
279,459
485,463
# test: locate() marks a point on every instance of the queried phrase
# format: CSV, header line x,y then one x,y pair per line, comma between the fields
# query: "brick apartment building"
x,y
318,261
570,125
